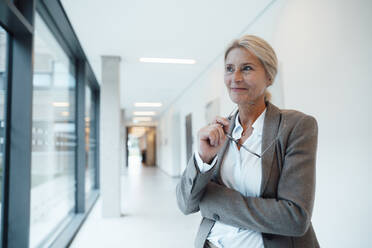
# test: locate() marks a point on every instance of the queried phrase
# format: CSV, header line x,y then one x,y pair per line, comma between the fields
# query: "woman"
x,y
253,176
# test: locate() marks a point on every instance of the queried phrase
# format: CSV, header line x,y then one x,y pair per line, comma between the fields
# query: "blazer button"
x,y
216,217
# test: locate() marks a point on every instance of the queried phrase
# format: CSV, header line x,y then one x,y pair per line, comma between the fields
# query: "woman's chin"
x,y
238,99
241,99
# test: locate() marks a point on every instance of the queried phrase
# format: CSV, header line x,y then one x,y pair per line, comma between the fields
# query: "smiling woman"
x,y
248,200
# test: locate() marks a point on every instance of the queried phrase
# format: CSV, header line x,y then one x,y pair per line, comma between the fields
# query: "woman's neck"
x,y
248,113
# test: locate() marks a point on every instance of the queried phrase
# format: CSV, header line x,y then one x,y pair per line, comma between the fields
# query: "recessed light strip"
x,y
137,119
168,61
61,104
144,113
148,104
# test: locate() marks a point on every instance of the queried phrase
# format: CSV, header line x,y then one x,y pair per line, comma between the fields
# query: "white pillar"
x,y
110,137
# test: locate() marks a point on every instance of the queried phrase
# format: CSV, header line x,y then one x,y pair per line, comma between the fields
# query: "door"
x,y
188,137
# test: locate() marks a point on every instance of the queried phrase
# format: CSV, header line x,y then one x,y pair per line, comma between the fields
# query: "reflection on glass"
x,y
3,42
90,142
53,137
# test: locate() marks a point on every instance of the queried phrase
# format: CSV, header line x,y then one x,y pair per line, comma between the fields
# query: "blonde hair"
x,y
262,50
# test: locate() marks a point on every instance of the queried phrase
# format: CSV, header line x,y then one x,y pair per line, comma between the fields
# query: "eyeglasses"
x,y
232,113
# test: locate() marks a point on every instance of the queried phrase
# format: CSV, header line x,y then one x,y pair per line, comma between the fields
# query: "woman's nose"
x,y
237,76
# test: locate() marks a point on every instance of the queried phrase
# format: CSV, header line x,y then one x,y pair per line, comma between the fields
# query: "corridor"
x,y
150,216
88,88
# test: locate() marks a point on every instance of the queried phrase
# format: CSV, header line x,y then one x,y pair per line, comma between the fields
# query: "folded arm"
x,y
191,187
290,213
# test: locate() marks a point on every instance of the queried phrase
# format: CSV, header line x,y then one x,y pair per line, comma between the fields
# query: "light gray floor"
x,y
151,216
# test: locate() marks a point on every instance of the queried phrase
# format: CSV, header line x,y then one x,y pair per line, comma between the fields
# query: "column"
x,y
110,137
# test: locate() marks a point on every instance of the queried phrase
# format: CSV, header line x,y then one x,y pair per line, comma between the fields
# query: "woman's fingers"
x,y
222,121
212,137
222,134
217,135
214,133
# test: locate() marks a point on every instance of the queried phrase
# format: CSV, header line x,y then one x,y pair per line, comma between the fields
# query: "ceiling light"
x,y
148,104
61,104
168,61
65,113
139,119
144,113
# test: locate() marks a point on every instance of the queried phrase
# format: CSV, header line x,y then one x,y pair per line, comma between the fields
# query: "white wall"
x,y
325,54
168,143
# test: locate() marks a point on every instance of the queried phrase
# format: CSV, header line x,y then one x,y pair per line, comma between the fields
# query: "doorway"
x,y
189,141
141,146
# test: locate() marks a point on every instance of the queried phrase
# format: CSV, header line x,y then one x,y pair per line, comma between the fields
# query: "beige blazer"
x,y
283,212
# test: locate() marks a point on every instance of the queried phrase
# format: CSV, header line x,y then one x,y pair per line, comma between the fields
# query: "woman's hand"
x,y
212,137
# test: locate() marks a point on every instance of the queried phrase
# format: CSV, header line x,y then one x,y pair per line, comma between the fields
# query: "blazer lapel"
x,y
270,131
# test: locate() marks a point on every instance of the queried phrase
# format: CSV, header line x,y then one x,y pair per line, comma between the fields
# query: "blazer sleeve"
x,y
191,187
290,213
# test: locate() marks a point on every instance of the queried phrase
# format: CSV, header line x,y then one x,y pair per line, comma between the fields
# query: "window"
x,y
90,142
53,137
41,183
3,83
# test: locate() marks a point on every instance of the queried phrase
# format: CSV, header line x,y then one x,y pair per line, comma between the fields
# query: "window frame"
x,y
17,18
95,109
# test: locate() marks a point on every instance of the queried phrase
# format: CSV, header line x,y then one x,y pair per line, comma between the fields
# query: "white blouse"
x,y
241,171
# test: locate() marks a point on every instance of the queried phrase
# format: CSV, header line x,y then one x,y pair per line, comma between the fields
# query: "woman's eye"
x,y
229,68
247,68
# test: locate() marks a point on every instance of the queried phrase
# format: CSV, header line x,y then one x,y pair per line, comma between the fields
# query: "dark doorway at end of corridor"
x,y
141,146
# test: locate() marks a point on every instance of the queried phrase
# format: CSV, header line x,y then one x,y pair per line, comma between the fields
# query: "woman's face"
x,y
245,77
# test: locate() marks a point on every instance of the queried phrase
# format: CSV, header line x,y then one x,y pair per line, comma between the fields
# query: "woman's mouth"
x,y
238,89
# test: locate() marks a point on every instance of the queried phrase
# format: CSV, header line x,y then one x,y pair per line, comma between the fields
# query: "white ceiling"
x,y
193,29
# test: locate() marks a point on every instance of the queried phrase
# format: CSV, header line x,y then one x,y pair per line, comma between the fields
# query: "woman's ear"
x,y
269,82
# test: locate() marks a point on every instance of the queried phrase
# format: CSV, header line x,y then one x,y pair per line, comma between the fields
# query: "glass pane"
x,y
53,137
3,44
90,142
